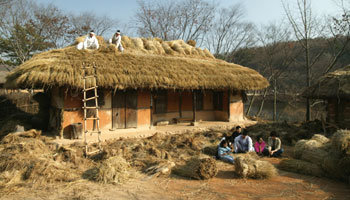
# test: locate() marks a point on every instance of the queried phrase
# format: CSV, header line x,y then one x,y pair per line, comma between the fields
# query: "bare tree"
x,y
18,40
83,23
169,20
305,25
275,57
229,32
339,29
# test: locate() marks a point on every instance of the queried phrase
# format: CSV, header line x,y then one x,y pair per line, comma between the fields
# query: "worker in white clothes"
x,y
117,40
90,42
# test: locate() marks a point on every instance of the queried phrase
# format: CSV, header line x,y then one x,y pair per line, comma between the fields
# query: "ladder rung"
x,y
92,131
87,89
92,152
91,118
91,107
92,76
91,98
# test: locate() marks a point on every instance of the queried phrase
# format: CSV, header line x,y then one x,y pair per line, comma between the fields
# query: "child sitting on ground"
x,y
259,145
224,152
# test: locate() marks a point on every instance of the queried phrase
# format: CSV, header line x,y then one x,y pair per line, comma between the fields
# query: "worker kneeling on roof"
x,y
90,42
116,39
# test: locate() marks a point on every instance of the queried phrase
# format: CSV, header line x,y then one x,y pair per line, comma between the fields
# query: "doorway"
x,y
124,109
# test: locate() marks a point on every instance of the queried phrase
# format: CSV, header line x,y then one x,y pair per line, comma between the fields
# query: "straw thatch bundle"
x,y
341,141
145,63
334,84
198,168
314,155
320,138
305,145
302,167
312,150
331,166
113,170
247,166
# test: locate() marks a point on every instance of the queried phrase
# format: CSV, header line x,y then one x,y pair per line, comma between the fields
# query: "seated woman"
x,y
259,146
274,145
224,152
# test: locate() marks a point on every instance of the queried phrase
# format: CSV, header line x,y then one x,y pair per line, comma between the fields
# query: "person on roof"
x,y
90,42
116,39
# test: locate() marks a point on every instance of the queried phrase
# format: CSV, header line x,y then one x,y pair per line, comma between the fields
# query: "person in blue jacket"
x,y
224,152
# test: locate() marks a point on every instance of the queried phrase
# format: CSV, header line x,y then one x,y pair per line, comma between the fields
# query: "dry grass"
x,y
248,166
334,84
198,168
145,63
305,145
322,157
301,167
24,157
113,170
341,141
320,138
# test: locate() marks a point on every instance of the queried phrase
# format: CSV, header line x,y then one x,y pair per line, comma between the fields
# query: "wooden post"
x,y
194,103
180,104
228,104
151,107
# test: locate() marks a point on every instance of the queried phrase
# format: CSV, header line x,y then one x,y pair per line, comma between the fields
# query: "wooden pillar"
x,y
180,104
228,104
194,103
151,108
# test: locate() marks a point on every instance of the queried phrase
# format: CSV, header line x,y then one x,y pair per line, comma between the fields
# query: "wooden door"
x,y
118,110
131,109
125,109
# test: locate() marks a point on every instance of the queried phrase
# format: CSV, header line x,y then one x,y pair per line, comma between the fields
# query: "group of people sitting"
x,y
240,142
91,41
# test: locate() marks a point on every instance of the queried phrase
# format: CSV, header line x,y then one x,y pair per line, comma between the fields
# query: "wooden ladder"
x,y
91,75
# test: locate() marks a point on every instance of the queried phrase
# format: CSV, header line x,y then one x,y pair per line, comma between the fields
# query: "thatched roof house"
x,y
3,74
4,71
145,65
333,85
335,88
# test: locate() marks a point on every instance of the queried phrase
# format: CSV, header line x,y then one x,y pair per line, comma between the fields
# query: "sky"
x,y
256,11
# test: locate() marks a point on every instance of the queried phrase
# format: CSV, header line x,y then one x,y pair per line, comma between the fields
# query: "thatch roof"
x,y
4,71
333,85
145,63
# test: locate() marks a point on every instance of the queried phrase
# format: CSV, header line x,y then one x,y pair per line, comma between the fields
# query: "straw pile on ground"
x,y
145,63
341,141
302,167
26,158
249,166
198,168
320,156
113,170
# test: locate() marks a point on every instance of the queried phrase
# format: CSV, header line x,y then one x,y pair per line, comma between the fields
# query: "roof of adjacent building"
x,y
145,63
332,85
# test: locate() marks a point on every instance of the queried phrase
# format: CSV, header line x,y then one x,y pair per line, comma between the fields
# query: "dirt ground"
x,y
142,153
224,186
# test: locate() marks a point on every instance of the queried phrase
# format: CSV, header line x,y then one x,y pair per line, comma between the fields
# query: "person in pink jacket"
x,y
259,145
